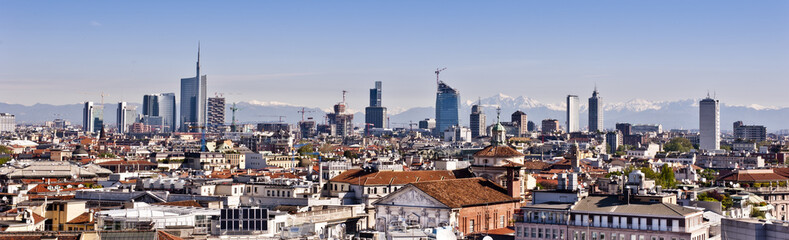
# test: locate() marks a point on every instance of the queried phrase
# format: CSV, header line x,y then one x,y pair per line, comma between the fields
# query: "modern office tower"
x,y
613,140
595,112
375,114
193,100
125,116
162,106
216,114
521,121
550,126
709,124
7,122
756,133
573,109
477,121
92,118
428,123
341,122
625,128
447,102
530,126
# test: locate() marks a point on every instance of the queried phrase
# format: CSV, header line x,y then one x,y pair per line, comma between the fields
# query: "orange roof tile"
x,y
361,177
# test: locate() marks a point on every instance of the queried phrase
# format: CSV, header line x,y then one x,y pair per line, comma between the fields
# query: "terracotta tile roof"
x,y
81,219
760,175
498,151
535,165
38,218
782,171
360,177
37,236
122,162
457,193
162,235
186,203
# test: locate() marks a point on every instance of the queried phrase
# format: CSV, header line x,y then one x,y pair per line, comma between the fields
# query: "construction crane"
x,y
304,110
233,122
438,71
202,128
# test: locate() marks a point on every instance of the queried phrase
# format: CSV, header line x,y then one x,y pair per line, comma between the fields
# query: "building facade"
x,y
573,110
375,114
447,102
550,126
126,115
7,122
756,133
193,100
160,107
521,121
477,121
92,117
595,112
216,114
709,124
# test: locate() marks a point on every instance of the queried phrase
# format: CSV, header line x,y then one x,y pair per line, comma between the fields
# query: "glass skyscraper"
x,y
92,117
375,114
447,102
193,100
709,124
595,112
160,105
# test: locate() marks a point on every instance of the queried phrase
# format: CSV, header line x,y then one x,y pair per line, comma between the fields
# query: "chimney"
x,y
513,182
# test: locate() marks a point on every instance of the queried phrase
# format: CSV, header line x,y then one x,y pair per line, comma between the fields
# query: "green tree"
x,y
5,150
305,149
350,154
678,144
666,177
4,160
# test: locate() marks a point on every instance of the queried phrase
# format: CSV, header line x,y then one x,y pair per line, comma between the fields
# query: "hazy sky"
x,y
307,52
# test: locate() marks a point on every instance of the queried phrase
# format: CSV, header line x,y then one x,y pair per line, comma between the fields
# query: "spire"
x,y
498,114
198,60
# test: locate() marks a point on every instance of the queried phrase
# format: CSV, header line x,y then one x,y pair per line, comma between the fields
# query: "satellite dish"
x,y
487,238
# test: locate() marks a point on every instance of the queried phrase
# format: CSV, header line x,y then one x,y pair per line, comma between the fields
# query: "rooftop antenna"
x,y
479,101
708,93
438,71
343,95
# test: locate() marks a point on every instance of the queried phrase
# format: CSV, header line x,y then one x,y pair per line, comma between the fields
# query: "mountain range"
x,y
679,114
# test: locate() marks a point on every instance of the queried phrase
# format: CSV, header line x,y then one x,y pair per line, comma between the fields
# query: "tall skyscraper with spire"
x,y
193,100
595,112
709,124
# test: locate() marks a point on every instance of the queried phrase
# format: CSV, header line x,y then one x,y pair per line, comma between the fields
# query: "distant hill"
x,y
680,114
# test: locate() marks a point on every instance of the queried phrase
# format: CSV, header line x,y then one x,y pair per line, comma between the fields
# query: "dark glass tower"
x,y
447,102
193,100
595,112
375,114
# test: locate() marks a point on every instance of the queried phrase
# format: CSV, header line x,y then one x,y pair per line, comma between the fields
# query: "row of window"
x,y
547,233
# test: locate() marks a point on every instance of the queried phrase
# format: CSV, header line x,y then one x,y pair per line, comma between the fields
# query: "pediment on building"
x,y
410,196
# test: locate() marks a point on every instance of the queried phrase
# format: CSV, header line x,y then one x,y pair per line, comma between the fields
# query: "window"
x,y
501,222
594,236
533,232
602,236
640,237
539,233
518,231
554,234
471,226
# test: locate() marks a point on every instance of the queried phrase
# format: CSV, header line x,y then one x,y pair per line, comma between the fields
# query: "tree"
x,y
678,144
666,177
350,154
4,160
5,150
305,149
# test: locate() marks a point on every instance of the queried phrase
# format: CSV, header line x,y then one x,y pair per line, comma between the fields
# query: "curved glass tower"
x,y
447,102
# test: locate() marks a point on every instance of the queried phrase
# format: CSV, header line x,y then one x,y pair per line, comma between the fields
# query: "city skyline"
x,y
540,50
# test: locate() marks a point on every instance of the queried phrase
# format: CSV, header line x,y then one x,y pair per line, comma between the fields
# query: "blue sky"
x,y
307,52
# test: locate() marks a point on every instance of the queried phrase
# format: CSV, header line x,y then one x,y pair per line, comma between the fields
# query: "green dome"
x,y
499,127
